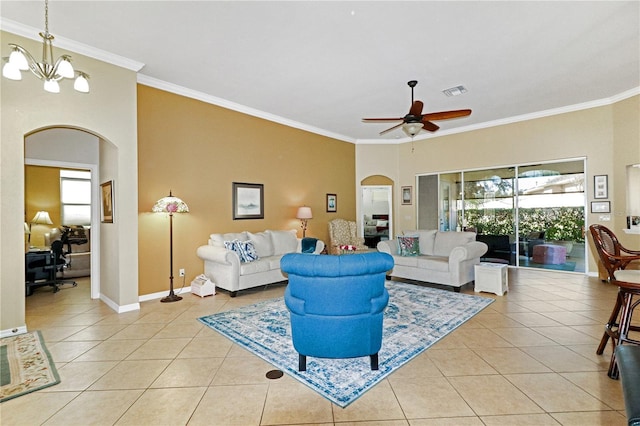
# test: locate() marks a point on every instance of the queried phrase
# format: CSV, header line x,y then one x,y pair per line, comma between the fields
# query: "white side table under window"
x,y
491,278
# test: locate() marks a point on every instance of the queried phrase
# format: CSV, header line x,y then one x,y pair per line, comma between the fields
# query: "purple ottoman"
x,y
549,254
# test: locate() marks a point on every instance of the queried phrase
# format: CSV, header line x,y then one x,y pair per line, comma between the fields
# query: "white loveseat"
x,y
444,257
225,268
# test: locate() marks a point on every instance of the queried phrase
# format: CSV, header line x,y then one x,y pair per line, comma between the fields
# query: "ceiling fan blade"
x,y
416,108
444,115
366,120
429,126
391,128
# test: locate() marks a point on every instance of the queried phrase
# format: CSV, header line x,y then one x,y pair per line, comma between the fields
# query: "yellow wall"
x,y
197,150
42,193
607,136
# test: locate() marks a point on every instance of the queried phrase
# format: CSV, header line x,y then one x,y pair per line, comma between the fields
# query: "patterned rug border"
x,y
319,370
50,378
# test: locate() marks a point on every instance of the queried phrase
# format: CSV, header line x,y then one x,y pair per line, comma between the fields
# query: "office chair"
x,y
59,265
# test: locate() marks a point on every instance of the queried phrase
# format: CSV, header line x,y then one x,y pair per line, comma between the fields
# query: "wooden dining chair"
x,y
614,257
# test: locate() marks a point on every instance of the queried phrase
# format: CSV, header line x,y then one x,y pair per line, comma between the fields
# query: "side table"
x,y
491,278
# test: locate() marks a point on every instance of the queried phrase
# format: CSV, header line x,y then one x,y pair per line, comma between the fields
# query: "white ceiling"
x,y
324,65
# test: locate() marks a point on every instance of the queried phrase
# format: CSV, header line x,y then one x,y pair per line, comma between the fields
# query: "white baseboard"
x,y
13,332
119,308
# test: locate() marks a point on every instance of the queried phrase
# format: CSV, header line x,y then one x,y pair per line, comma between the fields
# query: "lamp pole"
x,y
172,297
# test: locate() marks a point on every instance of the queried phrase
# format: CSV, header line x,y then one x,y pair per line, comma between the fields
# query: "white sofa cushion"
x,y
435,263
262,242
254,267
445,242
217,240
284,241
426,242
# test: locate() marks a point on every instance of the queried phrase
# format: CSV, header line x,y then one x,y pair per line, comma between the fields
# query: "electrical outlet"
x,y
181,272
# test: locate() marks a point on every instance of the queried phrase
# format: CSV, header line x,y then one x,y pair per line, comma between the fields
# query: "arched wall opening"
x,y
376,214
69,148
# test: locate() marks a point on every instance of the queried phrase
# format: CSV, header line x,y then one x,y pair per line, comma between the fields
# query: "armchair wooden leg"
x,y
302,362
374,361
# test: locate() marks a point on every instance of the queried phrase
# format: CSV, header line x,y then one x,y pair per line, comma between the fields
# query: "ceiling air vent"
x,y
455,91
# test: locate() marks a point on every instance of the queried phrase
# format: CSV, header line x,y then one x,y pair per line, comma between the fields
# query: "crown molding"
x,y
194,94
71,45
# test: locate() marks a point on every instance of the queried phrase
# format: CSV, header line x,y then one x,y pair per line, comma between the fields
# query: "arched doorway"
x,y
62,148
376,209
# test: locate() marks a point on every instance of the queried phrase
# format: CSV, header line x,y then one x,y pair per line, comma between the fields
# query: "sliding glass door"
x,y
514,210
551,202
489,210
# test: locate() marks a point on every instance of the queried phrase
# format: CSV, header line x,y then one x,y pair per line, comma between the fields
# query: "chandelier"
x,y
50,72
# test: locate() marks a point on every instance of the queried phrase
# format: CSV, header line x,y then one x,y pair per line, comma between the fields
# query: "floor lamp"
x,y
171,205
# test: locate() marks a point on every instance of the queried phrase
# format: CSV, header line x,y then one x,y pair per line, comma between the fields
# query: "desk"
x,y
38,270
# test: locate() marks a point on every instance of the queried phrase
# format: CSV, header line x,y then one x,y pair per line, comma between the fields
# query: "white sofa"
x,y
445,257
225,268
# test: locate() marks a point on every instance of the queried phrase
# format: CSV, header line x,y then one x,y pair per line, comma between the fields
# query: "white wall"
x,y
109,112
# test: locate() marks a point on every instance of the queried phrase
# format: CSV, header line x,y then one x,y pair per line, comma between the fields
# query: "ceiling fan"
x,y
415,121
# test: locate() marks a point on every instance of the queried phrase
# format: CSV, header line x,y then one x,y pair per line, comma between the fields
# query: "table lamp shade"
x,y
42,218
304,213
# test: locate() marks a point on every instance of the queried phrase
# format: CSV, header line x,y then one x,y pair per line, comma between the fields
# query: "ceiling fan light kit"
x,y
415,121
50,72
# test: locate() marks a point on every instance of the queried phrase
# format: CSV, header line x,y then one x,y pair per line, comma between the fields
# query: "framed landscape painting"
x,y
248,200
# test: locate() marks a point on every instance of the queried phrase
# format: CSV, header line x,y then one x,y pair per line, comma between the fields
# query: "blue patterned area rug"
x,y
416,318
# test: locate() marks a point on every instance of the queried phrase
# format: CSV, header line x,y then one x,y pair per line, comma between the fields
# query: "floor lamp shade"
x,y
171,205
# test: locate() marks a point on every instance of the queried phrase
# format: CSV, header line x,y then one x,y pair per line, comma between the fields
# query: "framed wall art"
x,y
406,195
332,203
600,207
248,200
600,186
106,195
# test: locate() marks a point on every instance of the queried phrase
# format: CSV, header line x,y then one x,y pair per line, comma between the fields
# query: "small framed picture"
x,y
332,203
406,195
248,200
600,186
106,194
600,207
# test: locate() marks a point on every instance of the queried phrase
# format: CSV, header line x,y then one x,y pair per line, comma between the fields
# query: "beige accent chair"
x,y
343,232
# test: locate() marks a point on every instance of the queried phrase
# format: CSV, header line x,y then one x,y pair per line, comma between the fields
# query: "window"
x,y
75,197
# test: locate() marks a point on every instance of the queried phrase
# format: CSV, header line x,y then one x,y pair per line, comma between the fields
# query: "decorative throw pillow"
x,y
231,245
408,246
247,251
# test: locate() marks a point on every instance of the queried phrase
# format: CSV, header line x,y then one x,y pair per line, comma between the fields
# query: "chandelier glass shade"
x,y
46,70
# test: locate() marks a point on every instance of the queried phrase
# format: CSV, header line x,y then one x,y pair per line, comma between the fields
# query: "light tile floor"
x,y
528,359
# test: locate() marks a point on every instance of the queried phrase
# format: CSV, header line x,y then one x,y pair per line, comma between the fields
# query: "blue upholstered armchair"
x,y
336,304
